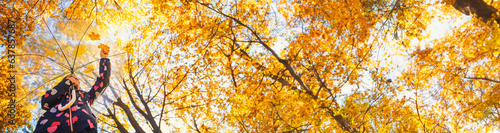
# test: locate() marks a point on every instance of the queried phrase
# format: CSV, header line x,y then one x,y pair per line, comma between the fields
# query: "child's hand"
x,y
104,50
104,53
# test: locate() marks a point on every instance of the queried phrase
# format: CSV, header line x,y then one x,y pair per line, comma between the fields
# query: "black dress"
x,y
55,121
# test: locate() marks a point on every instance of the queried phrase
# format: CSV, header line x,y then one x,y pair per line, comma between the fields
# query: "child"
x,y
57,120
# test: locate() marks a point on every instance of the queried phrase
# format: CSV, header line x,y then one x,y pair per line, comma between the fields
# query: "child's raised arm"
x,y
103,78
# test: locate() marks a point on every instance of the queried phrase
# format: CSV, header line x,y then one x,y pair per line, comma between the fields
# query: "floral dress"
x,y
55,121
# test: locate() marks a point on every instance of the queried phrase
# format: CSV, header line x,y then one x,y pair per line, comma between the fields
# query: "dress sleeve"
x,y
52,96
102,80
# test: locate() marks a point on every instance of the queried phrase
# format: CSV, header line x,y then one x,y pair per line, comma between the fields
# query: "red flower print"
x,y
59,114
75,118
53,127
56,123
90,123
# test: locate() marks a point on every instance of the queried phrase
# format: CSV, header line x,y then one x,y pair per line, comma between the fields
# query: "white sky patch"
x,y
280,44
436,30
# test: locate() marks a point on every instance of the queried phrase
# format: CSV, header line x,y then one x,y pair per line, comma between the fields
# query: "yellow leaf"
x,y
81,50
50,52
496,53
89,69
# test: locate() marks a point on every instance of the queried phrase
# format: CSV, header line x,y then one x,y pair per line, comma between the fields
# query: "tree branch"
x,y
130,116
282,61
149,115
117,122
483,78
478,7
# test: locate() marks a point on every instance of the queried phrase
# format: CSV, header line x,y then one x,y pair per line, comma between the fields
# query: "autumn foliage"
x,y
267,65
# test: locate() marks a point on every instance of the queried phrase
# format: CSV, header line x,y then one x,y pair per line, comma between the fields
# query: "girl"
x,y
56,119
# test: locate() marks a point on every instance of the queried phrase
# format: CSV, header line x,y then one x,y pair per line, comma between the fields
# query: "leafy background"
x,y
266,66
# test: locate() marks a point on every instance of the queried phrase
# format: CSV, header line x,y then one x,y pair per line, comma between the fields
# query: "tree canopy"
x,y
264,65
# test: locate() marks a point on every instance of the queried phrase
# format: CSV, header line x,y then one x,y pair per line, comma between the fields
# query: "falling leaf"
x,y
50,53
93,36
81,50
89,69
104,47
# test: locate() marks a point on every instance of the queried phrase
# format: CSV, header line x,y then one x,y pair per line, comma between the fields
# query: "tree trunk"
x,y
478,7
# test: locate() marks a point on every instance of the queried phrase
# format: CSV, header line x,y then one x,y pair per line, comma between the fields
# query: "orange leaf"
x,y
94,36
104,47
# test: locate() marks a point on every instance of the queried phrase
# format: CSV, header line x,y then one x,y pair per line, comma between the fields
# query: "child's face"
x,y
73,79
